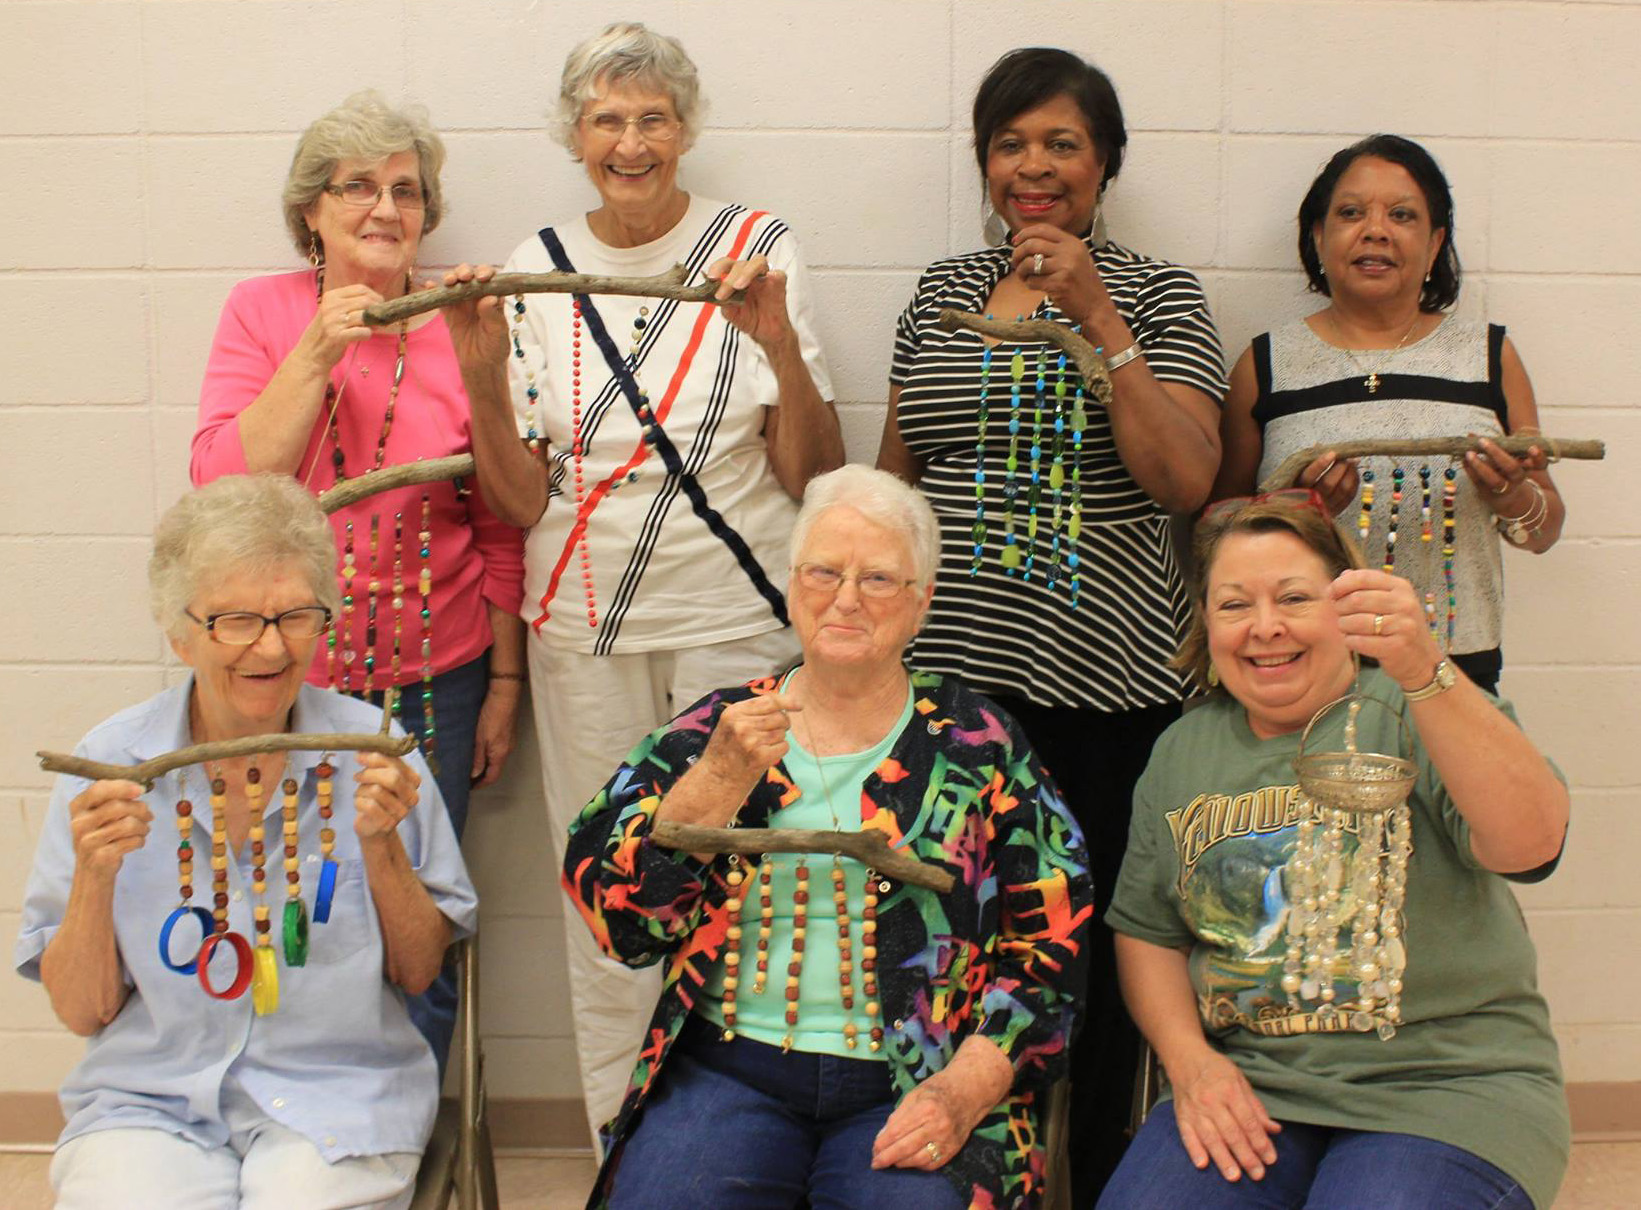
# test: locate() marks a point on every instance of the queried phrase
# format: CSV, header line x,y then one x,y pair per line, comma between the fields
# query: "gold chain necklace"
x,y
1372,381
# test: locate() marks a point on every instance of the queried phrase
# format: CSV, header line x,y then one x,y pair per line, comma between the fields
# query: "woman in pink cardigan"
x,y
431,580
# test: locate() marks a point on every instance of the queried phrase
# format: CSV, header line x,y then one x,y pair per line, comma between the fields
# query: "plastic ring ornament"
x,y
206,924
296,933
242,973
326,892
265,981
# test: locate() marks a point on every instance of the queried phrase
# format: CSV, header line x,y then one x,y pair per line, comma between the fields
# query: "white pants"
x,y
590,710
263,1167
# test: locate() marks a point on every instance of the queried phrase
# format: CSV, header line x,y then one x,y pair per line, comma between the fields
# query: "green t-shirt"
x,y
1473,1063
821,1015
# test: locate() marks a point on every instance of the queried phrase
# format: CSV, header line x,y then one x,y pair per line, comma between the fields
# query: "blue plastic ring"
x,y
327,890
206,925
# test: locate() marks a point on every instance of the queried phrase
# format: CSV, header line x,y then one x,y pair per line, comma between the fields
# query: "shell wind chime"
x,y
1369,791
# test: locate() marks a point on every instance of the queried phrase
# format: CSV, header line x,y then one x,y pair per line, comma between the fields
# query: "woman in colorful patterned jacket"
x,y
826,1031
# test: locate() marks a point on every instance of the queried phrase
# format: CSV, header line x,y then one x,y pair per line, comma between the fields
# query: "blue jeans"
x,y
1316,1166
741,1126
457,696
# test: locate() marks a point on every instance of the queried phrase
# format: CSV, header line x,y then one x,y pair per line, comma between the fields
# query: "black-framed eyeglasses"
x,y
241,628
406,196
818,577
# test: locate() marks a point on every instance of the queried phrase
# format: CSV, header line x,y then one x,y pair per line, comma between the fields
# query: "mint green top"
x,y
821,1015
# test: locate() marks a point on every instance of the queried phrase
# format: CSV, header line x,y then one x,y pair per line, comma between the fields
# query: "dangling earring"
x,y
992,227
1095,232
1213,677
315,257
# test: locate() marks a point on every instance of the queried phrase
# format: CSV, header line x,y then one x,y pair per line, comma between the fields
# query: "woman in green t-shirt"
x,y
1401,1055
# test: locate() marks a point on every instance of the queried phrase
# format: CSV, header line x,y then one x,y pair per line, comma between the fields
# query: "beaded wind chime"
x,y
256,966
579,436
739,880
1427,536
1060,487
348,669
1341,792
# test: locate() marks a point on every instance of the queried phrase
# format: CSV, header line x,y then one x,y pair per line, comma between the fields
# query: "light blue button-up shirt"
x,y
339,1062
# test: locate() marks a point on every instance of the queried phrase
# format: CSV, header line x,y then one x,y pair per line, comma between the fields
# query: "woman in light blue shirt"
x,y
315,1089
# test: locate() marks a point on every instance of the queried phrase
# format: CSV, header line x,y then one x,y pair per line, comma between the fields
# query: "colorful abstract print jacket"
x,y
1002,954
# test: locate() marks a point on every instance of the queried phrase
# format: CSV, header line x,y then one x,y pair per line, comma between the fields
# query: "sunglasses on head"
x,y
1299,497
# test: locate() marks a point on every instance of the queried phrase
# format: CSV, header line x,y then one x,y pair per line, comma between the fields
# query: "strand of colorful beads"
x,y
424,588
1011,551
982,419
1034,486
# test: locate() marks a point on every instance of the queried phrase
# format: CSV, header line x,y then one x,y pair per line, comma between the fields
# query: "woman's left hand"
x,y
493,739
388,789
929,1126
478,327
1066,273
1382,618
761,313
1500,477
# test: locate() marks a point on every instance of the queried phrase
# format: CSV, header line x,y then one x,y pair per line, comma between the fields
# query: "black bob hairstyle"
x,y
1442,290
1034,75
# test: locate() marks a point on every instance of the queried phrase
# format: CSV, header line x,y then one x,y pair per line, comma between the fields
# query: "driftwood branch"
x,y
1287,473
150,771
406,474
663,285
1088,362
869,847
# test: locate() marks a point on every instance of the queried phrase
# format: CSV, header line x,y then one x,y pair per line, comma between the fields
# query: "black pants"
x,y
1096,757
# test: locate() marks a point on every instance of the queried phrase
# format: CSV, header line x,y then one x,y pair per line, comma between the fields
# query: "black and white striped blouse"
x,y
1014,631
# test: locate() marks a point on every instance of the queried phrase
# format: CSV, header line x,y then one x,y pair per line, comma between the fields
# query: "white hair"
x,y
255,523
881,498
628,50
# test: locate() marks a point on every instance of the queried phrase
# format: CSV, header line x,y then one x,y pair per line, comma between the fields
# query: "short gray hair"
x,y
881,498
363,127
239,523
628,50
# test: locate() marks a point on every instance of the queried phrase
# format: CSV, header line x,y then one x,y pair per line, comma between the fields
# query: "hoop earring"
x,y
992,227
1096,233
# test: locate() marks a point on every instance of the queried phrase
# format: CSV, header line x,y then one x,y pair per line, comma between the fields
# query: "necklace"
x,y
1372,381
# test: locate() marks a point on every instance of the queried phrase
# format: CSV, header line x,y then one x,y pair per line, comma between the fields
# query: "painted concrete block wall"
x,y
143,146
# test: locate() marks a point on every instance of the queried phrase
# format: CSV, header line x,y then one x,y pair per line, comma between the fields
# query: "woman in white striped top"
x,y
1059,595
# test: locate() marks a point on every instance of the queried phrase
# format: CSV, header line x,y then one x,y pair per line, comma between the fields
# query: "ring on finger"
x,y
934,1152
1378,623
1037,265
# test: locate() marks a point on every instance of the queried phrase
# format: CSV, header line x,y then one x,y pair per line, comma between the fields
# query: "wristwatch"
x,y
1443,679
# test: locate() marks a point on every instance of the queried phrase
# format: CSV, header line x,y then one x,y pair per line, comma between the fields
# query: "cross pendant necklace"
x,y
1371,381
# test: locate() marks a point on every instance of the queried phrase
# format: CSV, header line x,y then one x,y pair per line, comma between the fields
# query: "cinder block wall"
x,y
143,146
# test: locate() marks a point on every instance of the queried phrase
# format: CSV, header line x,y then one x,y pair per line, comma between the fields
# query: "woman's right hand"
x,y
1221,1119
1334,479
336,325
749,740
108,819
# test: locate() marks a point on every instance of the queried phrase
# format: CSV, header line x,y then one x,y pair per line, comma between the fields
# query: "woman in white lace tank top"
x,y
1386,359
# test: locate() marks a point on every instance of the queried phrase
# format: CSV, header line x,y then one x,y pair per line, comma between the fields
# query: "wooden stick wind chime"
x,y
256,967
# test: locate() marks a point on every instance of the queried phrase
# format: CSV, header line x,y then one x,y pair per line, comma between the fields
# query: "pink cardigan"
x,y
475,557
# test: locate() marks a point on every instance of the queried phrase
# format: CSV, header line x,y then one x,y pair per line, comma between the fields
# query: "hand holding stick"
x,y
663,285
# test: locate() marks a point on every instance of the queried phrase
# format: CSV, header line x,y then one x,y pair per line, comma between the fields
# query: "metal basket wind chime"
x,y
1326,893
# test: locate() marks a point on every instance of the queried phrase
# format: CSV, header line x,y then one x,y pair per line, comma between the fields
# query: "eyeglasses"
x,y
241,628
652,127
367,193
1299,497
817,577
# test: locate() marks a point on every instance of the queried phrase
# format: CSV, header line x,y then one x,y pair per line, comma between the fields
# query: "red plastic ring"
x,y
242,976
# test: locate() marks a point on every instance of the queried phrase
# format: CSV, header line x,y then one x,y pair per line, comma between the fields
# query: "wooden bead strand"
x,y
732,945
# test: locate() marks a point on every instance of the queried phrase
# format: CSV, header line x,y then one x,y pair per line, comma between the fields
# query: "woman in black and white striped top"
x,y
1058,593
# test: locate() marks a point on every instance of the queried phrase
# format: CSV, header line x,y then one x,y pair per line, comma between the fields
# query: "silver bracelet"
x,y
1118,360
1518,531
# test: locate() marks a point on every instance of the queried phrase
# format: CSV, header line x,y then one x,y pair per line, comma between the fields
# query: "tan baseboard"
x,y
1602,1113
1605,1113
